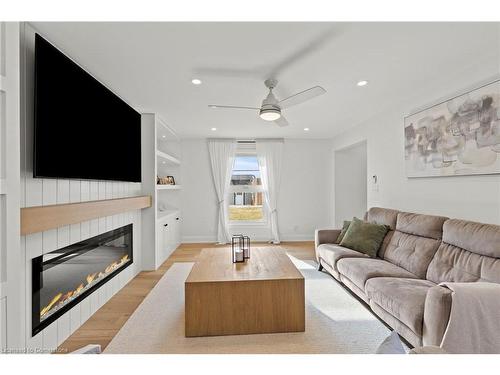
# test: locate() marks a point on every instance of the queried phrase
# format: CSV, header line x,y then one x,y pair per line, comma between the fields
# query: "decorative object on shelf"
x,y
168,180
240,248
460,136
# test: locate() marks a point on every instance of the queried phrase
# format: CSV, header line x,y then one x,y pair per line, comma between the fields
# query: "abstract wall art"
x,y
460,136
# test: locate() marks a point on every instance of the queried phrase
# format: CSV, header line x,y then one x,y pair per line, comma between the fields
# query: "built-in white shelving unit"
x,y
166,158
168,187
160,158
163,214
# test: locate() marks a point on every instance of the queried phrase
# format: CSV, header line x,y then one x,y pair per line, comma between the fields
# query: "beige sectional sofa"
x,y
419,252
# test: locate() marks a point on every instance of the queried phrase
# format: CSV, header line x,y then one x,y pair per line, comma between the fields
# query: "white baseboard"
x,y
198,239
284,237
297,237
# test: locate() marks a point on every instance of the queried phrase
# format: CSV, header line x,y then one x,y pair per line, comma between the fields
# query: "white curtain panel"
x,y
269,154
222,153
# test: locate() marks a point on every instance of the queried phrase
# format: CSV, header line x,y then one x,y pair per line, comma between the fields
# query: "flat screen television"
x,y
81,129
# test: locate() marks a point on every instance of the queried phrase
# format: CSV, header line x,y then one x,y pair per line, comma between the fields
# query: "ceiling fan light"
x,y
270,114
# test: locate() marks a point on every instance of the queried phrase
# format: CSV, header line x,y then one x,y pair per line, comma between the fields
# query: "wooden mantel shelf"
x,y
41,218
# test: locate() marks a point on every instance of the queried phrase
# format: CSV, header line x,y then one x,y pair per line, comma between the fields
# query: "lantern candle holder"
x,y
245,245
240,248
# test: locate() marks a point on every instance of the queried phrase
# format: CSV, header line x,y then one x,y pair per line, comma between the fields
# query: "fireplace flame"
x,y
91,278
66,296
51,303
61,299
111,267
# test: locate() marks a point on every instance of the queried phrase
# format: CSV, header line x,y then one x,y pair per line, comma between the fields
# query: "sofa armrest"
x,y
473,322
322,236
436,315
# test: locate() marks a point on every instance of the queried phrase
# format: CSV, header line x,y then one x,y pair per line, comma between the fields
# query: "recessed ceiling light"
x,y
164,136
213,129
212,106
196,81
362,83
306,129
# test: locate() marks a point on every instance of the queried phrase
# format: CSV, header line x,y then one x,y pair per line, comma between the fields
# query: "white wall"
x,y
468,197
350,183
198,199
305,195
304,200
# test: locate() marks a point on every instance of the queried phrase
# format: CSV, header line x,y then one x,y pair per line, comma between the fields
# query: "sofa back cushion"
x,y
385,216
414,242
469,252
421,225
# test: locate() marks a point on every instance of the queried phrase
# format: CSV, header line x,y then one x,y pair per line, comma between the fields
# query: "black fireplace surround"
x,y
64,277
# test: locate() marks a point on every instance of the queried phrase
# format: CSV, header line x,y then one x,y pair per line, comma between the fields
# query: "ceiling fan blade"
x,y
310,47
282,122
302,97
216,106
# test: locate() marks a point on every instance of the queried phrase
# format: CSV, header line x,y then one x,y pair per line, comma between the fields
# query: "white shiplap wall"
x,y
46,191
10,260
3,197
36,192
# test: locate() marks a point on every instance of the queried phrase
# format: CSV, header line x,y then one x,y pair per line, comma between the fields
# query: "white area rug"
x,y
335,322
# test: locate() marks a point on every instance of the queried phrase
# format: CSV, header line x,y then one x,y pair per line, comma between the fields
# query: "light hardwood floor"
x,y
107,321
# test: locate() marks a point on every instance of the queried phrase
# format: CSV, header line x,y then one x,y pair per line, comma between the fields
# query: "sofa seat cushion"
x,y
403,298
331,253
359,270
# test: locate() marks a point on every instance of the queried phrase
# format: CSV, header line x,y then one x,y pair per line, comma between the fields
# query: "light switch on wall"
x,y
374,182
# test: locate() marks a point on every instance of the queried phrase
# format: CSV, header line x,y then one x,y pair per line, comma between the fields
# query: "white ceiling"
x,y
150,65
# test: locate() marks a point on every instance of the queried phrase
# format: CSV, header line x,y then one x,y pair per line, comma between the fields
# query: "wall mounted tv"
x,y
82,130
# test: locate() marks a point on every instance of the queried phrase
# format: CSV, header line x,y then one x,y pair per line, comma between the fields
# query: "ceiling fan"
x,y
271,108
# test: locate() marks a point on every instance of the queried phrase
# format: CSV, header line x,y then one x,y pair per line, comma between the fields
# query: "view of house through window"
x,y
246,197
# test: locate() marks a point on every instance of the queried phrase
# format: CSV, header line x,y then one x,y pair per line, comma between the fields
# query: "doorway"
x,y
350,183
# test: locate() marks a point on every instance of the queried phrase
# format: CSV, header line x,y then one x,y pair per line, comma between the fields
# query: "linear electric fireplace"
x,y
64,277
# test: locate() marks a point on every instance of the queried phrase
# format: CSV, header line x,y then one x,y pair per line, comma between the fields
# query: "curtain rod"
x,y
255,140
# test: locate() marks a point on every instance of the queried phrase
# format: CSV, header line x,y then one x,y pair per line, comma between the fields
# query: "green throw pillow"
x,y
364,237
344,229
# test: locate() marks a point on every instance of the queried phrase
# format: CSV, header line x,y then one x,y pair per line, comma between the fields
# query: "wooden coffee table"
x,y
263,295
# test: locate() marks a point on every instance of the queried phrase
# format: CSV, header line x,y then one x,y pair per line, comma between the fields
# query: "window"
x,y
246,198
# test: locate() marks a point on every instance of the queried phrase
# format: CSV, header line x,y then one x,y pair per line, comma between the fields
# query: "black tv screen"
x,y
82,129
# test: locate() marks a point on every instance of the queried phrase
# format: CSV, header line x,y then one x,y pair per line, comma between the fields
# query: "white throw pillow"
x,y
391,345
